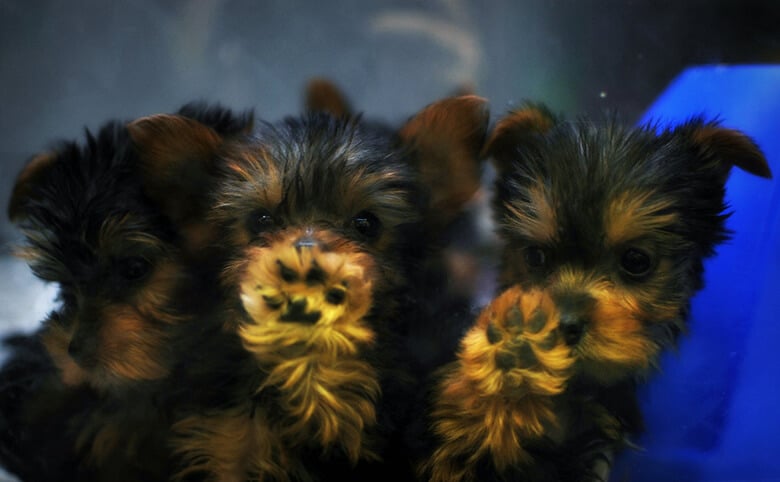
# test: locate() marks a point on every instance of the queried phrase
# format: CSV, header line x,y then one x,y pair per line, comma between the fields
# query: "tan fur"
x,y
130,348
632,216
615,344
621,298
534,219
115,236
262,174
257,170
482,409
56,339
231,444
326,389
132,338
316,363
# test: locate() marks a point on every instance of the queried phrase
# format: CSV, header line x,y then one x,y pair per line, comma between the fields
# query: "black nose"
x,y
83,350
575,308
571,327
74,349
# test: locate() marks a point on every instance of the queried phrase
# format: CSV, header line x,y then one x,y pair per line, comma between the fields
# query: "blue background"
x,y
713,413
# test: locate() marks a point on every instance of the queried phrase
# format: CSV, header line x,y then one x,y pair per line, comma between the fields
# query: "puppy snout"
x,y
571,327
575,308
75,348
83,350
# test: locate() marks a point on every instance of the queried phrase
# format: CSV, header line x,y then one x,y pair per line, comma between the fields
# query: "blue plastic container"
x,y
713,413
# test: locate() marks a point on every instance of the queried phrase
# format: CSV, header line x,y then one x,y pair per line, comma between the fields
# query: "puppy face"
x,y
91,230
614,223
94,226
328,218
315,189
318,214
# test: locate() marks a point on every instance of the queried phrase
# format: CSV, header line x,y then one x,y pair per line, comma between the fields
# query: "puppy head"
x,y
615,222
90,229
319,195
96,225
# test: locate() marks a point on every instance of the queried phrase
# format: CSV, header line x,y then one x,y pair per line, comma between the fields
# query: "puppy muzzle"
x,y
575,314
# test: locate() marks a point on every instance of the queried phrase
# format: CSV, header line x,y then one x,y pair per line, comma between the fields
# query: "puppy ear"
x,y
31,176
730,147
446,138
520,127
322,95
177,158
463,89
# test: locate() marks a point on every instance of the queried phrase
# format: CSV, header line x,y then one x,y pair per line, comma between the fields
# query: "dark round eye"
x,y
534,256
260,220
367,224
636,262
68,298
134,268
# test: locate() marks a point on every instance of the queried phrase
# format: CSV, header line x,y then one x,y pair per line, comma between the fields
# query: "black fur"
x,y
61,211
581,172
324,175
585,167
319,158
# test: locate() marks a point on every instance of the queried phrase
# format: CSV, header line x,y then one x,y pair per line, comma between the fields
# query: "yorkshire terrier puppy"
x,y
326,221
121,237
605,230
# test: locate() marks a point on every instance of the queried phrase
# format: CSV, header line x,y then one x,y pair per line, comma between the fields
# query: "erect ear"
x,y
463,89
322,95
730,147
27,180
446,138
177,157
518,128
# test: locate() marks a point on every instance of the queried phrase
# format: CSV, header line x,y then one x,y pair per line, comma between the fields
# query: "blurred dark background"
x,y
69,65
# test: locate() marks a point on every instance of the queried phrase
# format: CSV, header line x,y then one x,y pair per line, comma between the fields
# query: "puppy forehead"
x,y
342,170
636,214
115,235
591,185
531,214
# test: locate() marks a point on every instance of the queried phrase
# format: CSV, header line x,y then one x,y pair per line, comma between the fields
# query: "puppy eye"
x,y
534,256
134,268
68,298
367,224
636,262
260,220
